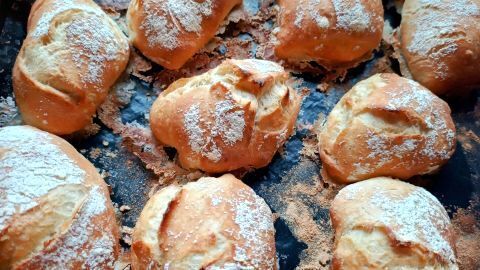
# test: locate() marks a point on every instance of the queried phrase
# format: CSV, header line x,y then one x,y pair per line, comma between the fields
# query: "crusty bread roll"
x,y
336,34
55,210
234,116
383,223
386,125
72,55
170,32
214,223
440,41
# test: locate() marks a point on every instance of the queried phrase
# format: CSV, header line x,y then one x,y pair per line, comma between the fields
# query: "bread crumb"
x,y
95,153
323,87
8,110
127,234
125,208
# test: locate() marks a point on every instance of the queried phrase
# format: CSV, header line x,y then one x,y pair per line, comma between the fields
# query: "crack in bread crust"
x,y
214,223
72,55
386,223
386,126
55,209
234,116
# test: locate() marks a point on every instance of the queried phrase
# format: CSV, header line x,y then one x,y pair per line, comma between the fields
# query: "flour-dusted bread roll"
x,y
336,34
214,223
440,41
234,116
72,55
386,125
55,210
170,32
383,223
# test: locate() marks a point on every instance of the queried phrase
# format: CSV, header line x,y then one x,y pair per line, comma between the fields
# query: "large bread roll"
x,y
55,210
383,223
386,125
214,223
72,55
440,41
170,32
336,34
234,116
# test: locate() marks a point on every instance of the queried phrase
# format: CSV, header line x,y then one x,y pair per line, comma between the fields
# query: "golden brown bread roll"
x,y
72,55
386,125
55,210
336,34
440,41
383,223
169,32
214,223
234,116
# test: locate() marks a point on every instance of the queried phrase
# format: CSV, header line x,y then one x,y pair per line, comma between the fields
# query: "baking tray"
x,y
292,185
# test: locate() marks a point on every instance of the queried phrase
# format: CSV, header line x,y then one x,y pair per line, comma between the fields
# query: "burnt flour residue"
x,y
466,223
302,200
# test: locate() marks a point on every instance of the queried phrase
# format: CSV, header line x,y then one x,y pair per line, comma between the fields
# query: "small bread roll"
x,y
383,223
234,116
336,34
214,223
72,55
386,125
440,41
55,210
170,32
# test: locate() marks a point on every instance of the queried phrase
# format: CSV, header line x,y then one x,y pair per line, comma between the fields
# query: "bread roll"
x,y
386,125
72,55
336,34
55,210
170,32
234,116
440,41
214,223
383,223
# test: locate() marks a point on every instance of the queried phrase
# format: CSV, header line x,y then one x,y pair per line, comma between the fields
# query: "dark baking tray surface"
x,y
291,184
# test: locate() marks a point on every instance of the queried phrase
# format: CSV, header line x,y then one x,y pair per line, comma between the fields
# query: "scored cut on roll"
x,y
214,223
72,55
440,41
234,116
383,223
386,125
55,208
336,34
170,32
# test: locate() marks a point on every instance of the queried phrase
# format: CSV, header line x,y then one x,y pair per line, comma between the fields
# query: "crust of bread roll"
x,y
55,209
440,41
72,55
234,116
170,32
382,223
214,223
386,125
336,34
